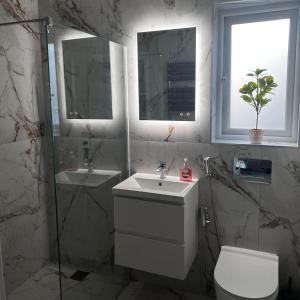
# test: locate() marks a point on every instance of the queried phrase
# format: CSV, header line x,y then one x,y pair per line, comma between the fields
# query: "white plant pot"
x,y
256,136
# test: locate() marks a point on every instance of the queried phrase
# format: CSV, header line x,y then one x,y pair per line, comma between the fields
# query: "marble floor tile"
x,y
92,289
45,285
139,291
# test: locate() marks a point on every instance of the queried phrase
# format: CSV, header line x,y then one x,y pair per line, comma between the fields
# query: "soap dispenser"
x,y
186,171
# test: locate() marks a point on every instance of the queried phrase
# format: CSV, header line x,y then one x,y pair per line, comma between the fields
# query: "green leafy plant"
x,y
256,92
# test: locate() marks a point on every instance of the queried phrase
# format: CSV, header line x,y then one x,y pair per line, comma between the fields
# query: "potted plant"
x,y
256,93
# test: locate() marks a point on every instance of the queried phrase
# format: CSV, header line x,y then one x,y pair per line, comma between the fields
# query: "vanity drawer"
x,y
152,219
150,255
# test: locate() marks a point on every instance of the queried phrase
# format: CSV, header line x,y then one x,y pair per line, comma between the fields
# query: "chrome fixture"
x,y
252,170
162,168
204,216
206,162
87,158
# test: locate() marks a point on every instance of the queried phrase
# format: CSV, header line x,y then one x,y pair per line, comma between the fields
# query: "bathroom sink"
x,y
151,186
82,177
156,218
161,185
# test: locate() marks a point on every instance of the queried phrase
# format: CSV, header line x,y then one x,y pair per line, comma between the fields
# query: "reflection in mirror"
x,y
166,65
87,78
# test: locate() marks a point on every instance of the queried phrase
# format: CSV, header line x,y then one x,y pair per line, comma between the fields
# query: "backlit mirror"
x,y
166,65
87,77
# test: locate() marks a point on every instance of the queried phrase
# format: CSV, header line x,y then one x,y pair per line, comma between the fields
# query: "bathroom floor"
x,y
44,285
141,291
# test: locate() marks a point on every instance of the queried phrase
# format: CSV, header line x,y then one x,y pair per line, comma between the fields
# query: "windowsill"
x,y
263,144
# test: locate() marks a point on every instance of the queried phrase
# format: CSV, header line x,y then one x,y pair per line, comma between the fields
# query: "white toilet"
x,y
246,274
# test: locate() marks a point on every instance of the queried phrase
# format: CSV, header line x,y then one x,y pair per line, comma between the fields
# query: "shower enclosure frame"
x,y
47,130
46,22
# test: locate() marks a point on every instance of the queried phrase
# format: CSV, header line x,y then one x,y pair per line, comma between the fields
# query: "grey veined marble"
x,y
20,89
252,216
86,229
25,208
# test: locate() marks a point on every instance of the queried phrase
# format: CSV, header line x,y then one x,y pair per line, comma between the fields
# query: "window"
x,y
248,37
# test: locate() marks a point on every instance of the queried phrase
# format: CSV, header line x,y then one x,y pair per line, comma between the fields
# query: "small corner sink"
x,y
151,186
82,177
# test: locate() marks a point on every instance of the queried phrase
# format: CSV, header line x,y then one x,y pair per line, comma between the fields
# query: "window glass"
x,y
263,45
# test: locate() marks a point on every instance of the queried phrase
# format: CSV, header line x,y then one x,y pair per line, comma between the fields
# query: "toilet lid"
x,y
246,273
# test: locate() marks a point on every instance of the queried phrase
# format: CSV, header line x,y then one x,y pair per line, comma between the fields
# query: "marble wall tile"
x,y
18,11
279,214
19,60
23,220
249,215
73,13
238,217
146,156
86,228
26,230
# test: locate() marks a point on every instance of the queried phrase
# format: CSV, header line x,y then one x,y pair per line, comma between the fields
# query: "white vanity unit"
x,y
156,224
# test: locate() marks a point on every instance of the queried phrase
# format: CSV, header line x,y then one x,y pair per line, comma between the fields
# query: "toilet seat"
x,y
247,274
233,297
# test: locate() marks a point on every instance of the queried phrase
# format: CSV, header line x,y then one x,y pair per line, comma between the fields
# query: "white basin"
x,y
151,186
82,177
156,224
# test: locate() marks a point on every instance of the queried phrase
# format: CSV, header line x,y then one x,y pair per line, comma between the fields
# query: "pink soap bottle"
x,y
186,171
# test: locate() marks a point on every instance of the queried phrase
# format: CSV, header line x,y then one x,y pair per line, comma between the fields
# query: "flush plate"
x,y
252,170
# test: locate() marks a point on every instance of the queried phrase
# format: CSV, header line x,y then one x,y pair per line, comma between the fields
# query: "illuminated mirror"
x,y
166,65
87,77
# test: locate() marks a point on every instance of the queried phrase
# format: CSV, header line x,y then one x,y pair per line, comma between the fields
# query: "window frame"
x,y
227,15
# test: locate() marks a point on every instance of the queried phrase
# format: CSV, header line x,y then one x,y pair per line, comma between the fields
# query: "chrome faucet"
x,y
87,158
162,168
